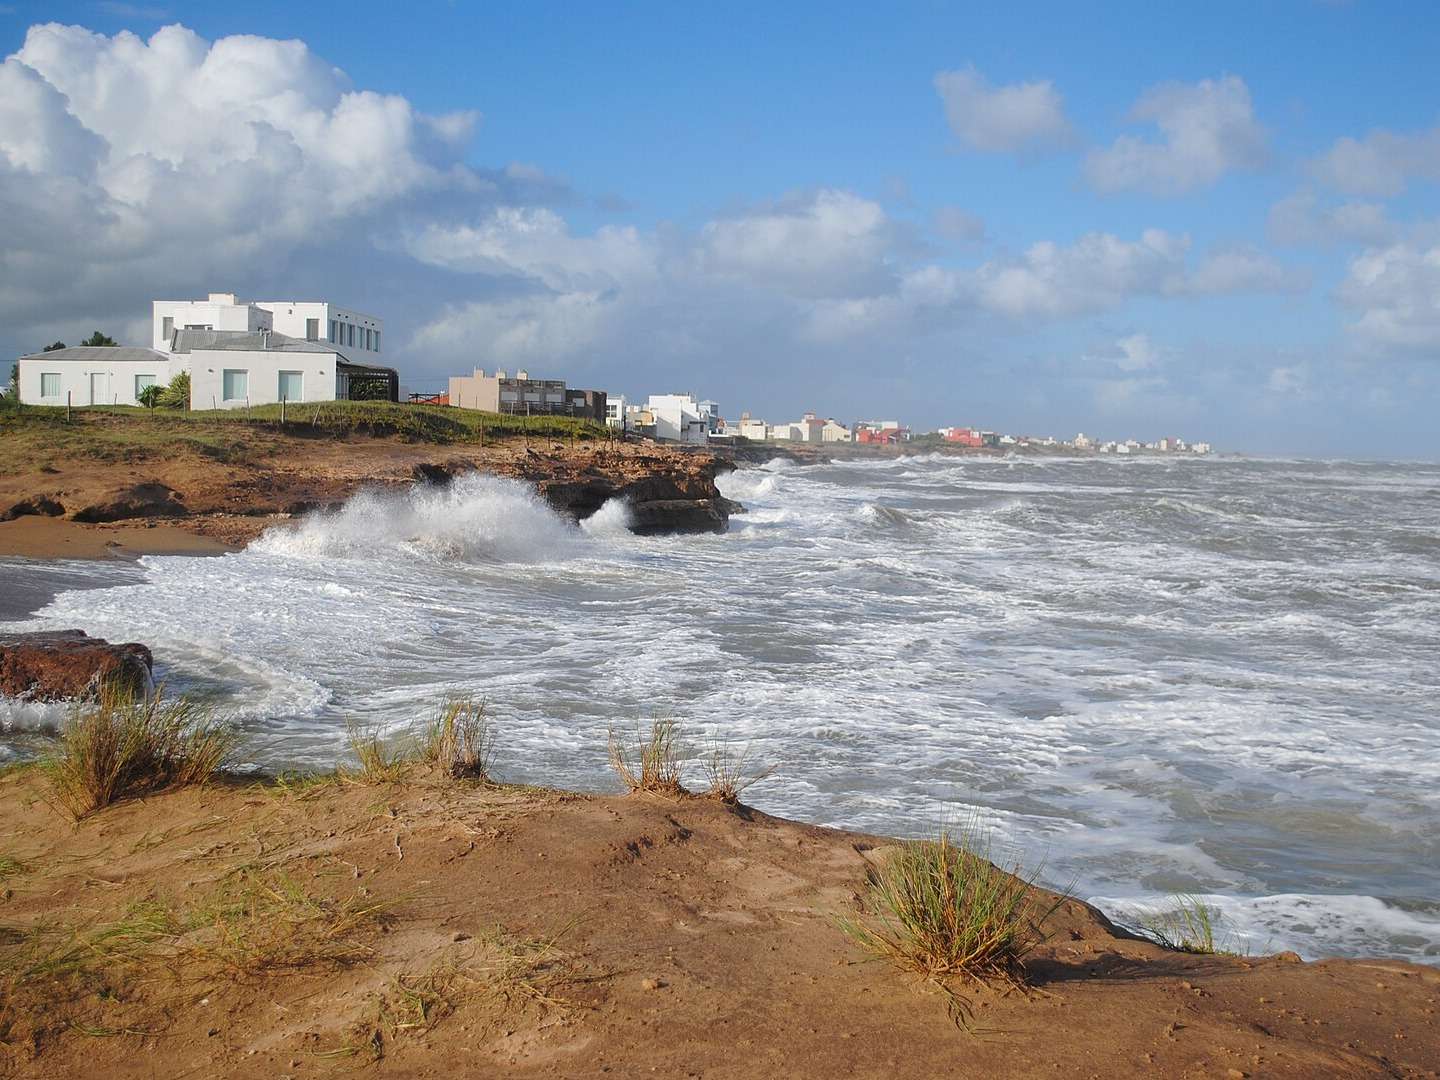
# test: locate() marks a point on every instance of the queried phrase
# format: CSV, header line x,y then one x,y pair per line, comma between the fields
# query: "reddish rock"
x,y
67,664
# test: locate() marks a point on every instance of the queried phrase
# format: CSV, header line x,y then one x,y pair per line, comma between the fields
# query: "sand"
x,y
686,939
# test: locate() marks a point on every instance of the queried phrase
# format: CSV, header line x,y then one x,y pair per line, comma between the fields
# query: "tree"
x,y
177,394
97,338
150,395
54,346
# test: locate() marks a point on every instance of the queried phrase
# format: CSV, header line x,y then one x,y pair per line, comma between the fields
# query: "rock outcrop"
x,y
69,664
148,499
669,491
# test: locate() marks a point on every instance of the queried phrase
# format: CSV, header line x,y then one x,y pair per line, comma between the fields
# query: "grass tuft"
x,y
1188,926
942,910
379,763
649,762
460,740
122,745
730,773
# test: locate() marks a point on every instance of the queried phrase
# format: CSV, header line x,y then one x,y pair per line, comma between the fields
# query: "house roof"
x,y
104,353
247,341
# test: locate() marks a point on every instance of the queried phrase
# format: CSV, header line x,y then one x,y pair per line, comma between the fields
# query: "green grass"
x,y
731,773
121,745
649,761
942,910
126,433
1189,926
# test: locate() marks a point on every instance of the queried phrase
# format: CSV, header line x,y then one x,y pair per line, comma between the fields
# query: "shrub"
x,y
941,909
177,394
460,740
650,762
123,745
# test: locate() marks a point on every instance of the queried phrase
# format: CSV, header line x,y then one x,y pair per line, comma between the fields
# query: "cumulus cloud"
x,y
1288,379
1243,269
1302,220
1206,130
829,243
1396,291
175,164
1382,163
1013,118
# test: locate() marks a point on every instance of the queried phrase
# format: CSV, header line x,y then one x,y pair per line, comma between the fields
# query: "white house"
x,y
750,428
307,320
835,432
233,353
230,370
615,408
680,418
91,375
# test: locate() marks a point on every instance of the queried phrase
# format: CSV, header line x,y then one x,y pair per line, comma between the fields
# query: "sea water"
x,y
1146,677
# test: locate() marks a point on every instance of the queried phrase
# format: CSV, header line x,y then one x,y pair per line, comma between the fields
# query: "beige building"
x,y
523,395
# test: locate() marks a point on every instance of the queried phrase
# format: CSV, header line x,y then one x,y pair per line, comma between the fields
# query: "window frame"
x,y
59,384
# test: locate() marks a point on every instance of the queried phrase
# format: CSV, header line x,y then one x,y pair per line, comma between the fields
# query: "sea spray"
x,y
474,518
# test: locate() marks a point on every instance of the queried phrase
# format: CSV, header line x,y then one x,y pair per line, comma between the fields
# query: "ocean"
x,y
1144,677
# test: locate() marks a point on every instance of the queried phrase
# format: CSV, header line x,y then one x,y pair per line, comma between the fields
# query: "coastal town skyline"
x,y
1178,227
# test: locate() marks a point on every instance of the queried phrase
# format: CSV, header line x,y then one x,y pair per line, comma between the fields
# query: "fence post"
x,y
282,413
67,406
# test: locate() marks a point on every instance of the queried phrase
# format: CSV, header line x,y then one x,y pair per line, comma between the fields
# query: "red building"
x,y
964,436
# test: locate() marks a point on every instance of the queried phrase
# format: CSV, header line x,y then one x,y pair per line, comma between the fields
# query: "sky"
x,y
1215,221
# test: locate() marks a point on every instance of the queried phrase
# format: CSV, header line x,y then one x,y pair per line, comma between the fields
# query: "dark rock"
x,y
660,516
65,664
34,506
440,473
146,499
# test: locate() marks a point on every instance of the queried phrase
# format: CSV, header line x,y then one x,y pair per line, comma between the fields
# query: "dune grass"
x,y
460,740
123,745
1189,926
649,761
943,911
381,761
731,773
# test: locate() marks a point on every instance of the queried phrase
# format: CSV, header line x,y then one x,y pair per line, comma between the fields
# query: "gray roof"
x,y
102,353
247,341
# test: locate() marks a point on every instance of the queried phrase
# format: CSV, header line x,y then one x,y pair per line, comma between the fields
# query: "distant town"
x,y
227,353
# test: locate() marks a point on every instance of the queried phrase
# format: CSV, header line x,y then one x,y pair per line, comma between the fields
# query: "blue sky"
x,y
1127,220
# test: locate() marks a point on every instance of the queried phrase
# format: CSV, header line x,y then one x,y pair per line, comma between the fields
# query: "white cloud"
x,y
1098,271
1137,353
1207,129
1382,163
178,163
1289,379
1013,118
830,243
1243,269
537,243
1396,291
1301,220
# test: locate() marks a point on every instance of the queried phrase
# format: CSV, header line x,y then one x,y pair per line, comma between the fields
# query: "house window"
x,y
377,340
369,340
142,381
167,327
235,384
332,329
50,384
292,386
350,334
312,329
